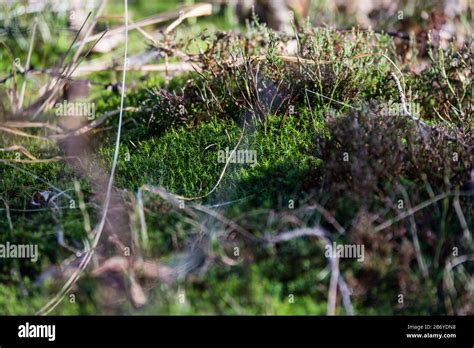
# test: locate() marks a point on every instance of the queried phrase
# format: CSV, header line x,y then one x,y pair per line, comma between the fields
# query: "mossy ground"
x,y
182,158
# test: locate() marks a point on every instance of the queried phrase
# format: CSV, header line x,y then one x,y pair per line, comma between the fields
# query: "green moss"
x,y
162,147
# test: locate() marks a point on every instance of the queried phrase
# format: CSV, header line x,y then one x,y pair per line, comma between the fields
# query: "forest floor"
x,y
239,172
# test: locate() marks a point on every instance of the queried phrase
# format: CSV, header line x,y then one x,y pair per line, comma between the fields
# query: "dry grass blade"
x,y
409,212
26,124
181,67
226,221
332,294
221,175
100,226
194,10
27,66
19,148
58,82
297,233
7,210
36,177
21,133
198,10
42,100
461,217
35,161
89,127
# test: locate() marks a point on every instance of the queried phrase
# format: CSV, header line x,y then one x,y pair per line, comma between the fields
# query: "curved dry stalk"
x,y
221,175
100,227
